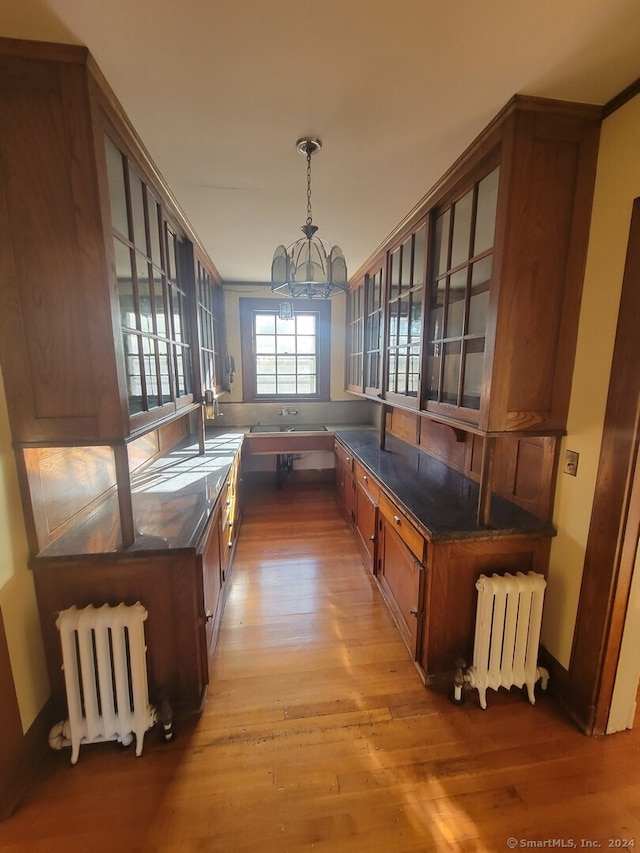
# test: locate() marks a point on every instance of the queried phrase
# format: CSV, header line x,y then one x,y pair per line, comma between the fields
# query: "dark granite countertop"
x,y
442,501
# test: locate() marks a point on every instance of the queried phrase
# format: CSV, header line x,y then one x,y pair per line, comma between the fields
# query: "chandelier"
x,y
310,266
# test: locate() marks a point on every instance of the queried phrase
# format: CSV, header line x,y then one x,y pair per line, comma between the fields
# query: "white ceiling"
x,y
220,90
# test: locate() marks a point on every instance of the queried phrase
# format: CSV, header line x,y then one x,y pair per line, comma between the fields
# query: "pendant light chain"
x,y
309,221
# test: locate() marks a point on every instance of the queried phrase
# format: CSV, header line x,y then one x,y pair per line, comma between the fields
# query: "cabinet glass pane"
x,y
134,372
165,378
415,327
137,212
451,373
117,195
405,279
413,377
150,371
455,313
473,364
486,212
403,321
418,255
461,229
160,307
433,372
392,378
122,256
144,295
155,230
394,274
441,243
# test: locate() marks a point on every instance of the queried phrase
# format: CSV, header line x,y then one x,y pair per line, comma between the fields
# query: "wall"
x,y
617,184
17,595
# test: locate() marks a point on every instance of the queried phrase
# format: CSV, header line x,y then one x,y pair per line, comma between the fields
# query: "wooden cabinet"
x,y
229,516
345,481
183,591
401,577
111,320
365,329
484,277
509,234
367,493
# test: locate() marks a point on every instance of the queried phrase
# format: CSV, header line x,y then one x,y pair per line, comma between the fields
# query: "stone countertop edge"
x,y
442,501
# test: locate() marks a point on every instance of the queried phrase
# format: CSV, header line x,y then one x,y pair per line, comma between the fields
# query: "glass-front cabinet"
x,y
481,285
373,330
405,298
355,337
365,323
458,297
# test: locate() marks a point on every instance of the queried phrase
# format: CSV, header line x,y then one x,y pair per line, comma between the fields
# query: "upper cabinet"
x,y
110,310
405,297
484,279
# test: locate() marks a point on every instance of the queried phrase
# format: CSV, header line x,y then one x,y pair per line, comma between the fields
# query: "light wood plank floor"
x,y
319,735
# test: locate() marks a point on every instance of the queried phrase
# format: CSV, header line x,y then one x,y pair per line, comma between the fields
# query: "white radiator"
x,y
507,637
105,673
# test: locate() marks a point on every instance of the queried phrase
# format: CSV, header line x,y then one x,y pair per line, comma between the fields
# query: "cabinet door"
x,y
212,583
366,522
401,578
458,299
355,338
407,264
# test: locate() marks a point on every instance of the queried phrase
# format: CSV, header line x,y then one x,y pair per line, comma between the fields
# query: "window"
x,y
285,359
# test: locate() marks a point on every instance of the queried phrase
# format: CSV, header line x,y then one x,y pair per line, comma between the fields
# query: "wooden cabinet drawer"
x,y
343,454
366,480
409,534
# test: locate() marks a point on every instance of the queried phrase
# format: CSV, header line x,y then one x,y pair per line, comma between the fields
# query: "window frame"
x,y
248,308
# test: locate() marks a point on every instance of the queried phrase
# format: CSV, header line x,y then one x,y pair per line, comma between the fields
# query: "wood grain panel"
x,y
453,569
167,587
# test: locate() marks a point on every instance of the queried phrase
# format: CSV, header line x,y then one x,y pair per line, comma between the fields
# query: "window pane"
x,y
441,243
266,385
306,324
285,327
265,343
306,384
286,344
473,364
286,385
286,365
265,324
265,365
306,364
308,344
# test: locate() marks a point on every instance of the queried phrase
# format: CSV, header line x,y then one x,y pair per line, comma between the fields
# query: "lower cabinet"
x,y
428,585
183,594
401,578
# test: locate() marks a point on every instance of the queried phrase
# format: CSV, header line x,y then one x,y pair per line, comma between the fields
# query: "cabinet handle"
x,y
397,519
228,501
208,615
372,538
365,478
414,611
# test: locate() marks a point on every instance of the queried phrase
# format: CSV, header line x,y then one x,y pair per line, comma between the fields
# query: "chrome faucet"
x,y
285,410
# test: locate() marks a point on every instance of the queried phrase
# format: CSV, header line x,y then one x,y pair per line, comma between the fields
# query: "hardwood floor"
x,y
319,735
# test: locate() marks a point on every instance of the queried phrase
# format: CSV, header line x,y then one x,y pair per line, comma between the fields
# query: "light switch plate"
x,y
571,462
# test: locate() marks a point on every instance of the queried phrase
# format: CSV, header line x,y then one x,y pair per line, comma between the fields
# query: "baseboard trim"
x,y
30,755
566,695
